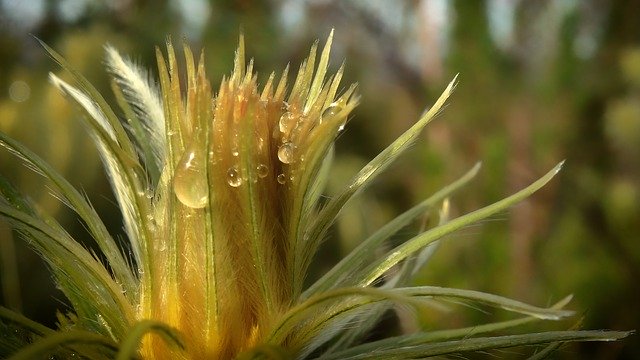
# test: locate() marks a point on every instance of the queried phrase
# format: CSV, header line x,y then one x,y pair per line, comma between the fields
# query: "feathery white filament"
x,y
116,176
142,94
90,106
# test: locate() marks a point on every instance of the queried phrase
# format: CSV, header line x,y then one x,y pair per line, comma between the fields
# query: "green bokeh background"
x,y
540,81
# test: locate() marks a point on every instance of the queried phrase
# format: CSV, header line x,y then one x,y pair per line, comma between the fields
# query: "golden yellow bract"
x,y
223,266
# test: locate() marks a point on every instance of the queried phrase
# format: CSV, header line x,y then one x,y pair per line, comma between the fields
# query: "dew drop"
x,y
233,177
286,121
235,153
285,153
262,170
189,182
333,109
282,178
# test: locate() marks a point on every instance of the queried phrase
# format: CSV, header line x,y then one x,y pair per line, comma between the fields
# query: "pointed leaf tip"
x,y
475,169
453,84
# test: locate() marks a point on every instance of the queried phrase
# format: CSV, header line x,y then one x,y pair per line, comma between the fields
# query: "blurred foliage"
x,y
540,81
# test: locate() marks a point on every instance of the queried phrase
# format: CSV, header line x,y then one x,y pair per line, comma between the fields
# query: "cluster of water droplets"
x,y
286,151
191,185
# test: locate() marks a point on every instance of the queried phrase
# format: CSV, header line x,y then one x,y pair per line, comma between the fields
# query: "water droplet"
x,y
260,144
235,153
189,181
285,153
262,170
333,109
286,121
282,178
233,177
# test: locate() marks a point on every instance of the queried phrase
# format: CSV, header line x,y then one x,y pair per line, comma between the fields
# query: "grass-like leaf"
x,y
372,350
405,250
80,343
83,279
78,203
343,272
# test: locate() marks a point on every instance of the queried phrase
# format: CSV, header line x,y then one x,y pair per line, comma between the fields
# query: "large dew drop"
x,y
233,177
331,110
262,170
285,153
286,122
190,180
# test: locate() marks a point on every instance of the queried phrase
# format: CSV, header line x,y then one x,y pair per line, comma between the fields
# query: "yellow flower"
x,y
241,165
220,199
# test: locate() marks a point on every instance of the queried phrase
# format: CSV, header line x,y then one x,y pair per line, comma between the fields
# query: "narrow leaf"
x,y
375,167
373,351
72,339
344,271
83,208
410,247
129,347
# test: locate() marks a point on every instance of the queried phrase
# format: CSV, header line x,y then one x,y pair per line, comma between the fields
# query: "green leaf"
x,y
99,101
98,299
401,252
78,203
373,350
126,175
307,319
343,273
129,346
449,334
9,316
81,343
328,214
119,157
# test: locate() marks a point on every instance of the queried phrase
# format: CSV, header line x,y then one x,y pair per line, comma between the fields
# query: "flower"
x,y
220,196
